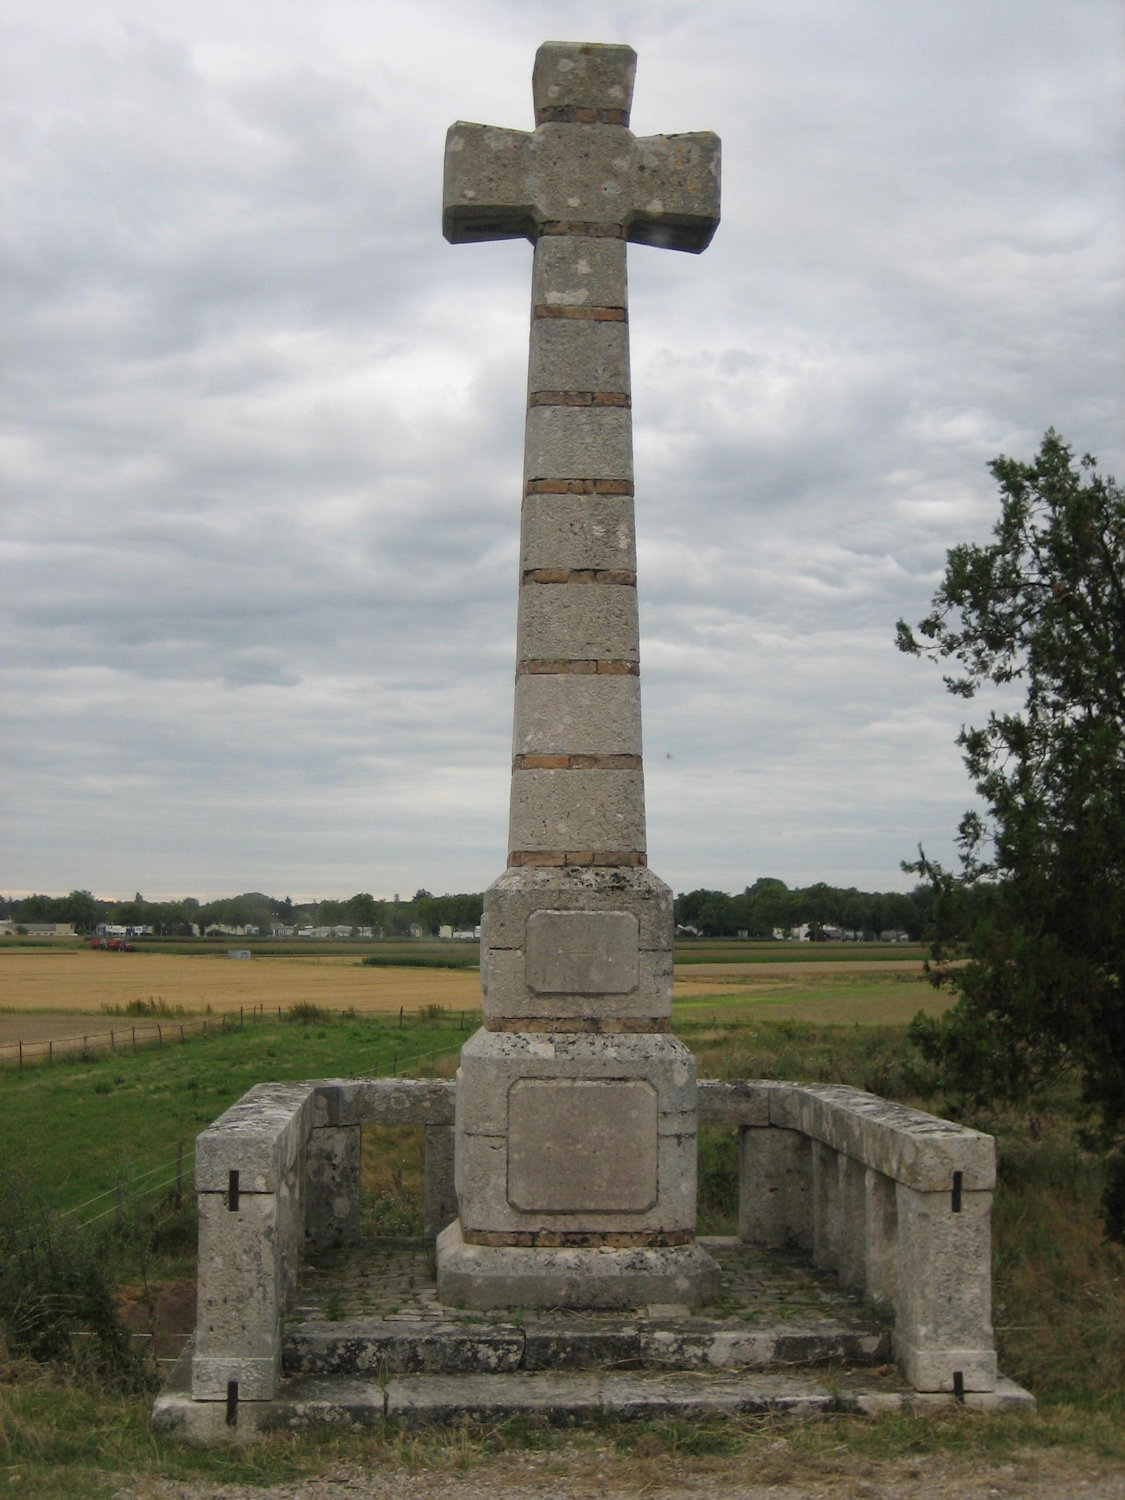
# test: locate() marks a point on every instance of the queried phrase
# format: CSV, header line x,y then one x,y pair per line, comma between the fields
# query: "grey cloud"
x,y
264,425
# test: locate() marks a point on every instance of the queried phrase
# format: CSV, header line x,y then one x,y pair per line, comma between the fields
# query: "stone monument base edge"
x,y
485,1277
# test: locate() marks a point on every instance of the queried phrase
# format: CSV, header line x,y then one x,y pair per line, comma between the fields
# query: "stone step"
x,y
375,1312
561,1398
367,1346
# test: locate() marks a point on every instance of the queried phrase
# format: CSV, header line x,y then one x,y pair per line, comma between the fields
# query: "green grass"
x,y
734,951
468,958
1059,1302
77,1126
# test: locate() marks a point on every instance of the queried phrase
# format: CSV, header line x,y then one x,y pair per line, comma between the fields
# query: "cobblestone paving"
x,y
393,1281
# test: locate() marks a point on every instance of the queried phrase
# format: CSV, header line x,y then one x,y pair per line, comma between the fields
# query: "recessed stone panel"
x,y
582,952
514,895
578,1145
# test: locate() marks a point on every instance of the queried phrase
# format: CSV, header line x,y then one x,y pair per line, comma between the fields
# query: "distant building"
x,y
37,929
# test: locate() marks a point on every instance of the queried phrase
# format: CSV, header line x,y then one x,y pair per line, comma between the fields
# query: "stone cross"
x,y
575,1136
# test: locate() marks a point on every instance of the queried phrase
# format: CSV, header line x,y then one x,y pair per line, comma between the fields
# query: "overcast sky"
x,y
263,426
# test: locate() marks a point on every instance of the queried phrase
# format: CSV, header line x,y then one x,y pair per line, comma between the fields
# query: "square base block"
x,y
577,945
575,1134
485,1276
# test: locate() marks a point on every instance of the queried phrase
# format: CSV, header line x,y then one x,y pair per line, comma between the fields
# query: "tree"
x,y
83,910
1038,906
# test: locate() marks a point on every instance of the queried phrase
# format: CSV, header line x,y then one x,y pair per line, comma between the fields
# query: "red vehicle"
x,y
112,945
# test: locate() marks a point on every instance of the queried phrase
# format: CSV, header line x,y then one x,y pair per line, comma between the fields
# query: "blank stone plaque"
x,y
582,952
578,1144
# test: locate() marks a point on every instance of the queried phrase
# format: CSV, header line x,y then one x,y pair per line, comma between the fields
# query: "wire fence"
x,y
127,1192
168,1031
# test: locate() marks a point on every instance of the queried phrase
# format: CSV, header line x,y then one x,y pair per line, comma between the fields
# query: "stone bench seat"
x,y
895,1202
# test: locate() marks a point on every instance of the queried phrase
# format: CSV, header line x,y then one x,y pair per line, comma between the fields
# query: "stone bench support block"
x,y
774,1199
242,1293
895,1201
279,1173
943,1299
332,1177
439,1198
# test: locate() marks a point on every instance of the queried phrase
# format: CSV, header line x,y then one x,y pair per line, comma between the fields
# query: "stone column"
x,y
576,1109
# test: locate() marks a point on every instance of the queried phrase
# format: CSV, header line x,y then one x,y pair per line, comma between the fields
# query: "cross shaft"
x,y
576,1109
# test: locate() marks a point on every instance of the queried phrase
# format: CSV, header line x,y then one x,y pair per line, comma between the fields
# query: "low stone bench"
x,y
275,1175
896,1202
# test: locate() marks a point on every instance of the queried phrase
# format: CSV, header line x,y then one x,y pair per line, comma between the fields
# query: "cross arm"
x,y
675,191
488,194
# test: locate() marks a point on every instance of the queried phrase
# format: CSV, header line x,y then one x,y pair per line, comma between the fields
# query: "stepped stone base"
x,y
487,1276
370,1342
558,1398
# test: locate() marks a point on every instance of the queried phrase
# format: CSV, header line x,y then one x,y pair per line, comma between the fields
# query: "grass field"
x,y
79,982
82,1126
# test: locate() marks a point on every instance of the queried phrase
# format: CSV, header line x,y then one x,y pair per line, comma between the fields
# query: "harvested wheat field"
x,y
87,982
76,983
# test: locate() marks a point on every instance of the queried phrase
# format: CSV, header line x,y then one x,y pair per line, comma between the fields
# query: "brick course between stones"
x,y
580,1025
580,114
578,487
576,763
584,666
558,857
579,398
580,314
624,576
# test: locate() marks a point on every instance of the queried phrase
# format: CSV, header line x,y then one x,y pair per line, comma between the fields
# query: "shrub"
x,y
56,1291
305,1013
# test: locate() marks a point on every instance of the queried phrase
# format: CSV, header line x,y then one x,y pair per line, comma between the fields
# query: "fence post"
x,y
159,1034
50,1053
112,1042
181,1031
180,1175
21,1054
134,1038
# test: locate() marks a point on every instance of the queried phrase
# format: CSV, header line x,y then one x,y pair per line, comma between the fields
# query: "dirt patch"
x,y
577,1470
162,1315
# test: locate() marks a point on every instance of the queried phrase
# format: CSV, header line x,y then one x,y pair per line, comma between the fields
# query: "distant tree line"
x,y
769,905
761,908
181,918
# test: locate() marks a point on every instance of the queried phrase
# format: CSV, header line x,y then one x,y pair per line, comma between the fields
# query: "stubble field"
x,y
45,993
